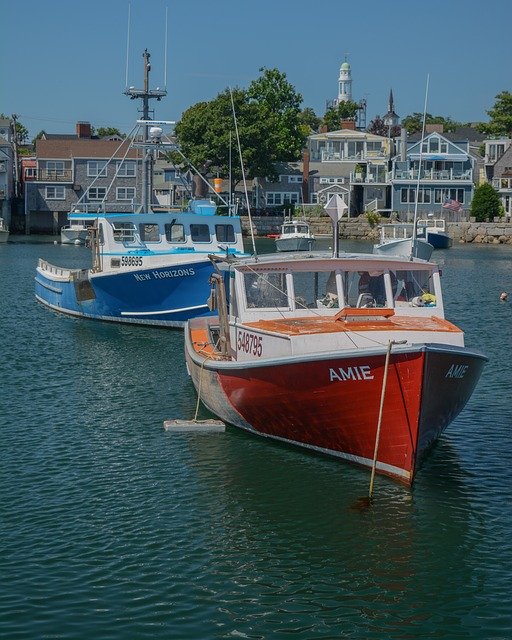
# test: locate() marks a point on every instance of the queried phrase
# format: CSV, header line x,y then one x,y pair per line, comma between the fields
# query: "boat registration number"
x,y
131,261
249,343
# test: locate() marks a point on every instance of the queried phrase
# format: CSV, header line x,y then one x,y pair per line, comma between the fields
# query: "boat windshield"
x,y
266,290
315,289
413,287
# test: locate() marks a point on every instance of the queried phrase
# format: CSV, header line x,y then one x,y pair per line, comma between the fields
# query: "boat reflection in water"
x,y
325,352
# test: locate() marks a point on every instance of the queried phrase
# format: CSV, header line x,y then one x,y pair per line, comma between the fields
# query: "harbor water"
x,y
113,528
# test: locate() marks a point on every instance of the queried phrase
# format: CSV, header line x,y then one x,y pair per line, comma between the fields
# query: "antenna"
x,y
127,45
414,234
243,173
165,48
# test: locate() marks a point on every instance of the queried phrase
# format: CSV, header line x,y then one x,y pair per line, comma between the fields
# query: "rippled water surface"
x,y
112,528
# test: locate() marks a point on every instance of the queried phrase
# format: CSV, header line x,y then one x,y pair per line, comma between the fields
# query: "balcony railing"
x,y
339,156
63,175
430,174
381,177
504,184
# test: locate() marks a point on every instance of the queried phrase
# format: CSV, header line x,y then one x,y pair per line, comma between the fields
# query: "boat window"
x,y
175,232
315,289
225,233
302,228
149,232
123,231
266,290
414,288
200,233
364,289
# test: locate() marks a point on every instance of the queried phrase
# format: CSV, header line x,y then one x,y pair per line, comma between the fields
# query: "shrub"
x,y
373,218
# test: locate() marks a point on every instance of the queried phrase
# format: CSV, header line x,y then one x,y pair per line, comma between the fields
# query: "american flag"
x,y
453,205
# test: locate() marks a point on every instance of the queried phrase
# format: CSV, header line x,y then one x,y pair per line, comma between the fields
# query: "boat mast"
x,y
414,249
146,94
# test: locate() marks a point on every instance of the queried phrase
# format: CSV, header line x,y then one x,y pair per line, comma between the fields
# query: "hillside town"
x,y
383,174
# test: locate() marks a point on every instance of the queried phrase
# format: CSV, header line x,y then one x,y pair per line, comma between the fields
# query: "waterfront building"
x,y
446,172
69,166
498,162
6,170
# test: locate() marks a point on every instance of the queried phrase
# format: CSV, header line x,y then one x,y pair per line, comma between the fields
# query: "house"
x,y
73,167
6,170
446,171
502,179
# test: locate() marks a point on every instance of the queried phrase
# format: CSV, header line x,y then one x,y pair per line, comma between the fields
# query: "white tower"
x,y
344,83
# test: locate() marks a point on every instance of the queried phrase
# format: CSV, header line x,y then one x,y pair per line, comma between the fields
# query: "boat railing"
x,y
50,268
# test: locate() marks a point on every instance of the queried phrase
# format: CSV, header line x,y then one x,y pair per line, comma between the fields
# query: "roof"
x,y
69,148
342,134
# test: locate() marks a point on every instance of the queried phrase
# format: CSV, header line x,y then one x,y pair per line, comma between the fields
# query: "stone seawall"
x,y
360,229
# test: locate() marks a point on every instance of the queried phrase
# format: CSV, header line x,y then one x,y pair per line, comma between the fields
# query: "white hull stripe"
x,y
159,313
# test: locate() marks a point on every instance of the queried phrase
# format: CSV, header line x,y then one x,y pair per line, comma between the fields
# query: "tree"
x,y
105,132
414,122
486,203
269,127
500,123
346,110
309,119
21,130
378,127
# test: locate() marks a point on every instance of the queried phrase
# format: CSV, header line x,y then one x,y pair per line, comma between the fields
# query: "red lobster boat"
x,y
349,356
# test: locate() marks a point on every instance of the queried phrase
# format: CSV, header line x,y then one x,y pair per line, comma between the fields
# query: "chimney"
x,y
348,124
305,176
323,128
403,144
83,129
434,128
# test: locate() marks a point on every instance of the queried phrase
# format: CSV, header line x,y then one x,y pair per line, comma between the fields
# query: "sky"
x,y
64,61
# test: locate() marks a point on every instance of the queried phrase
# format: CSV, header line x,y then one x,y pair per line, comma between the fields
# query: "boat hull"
x,y
439,240
330,404
161,296
294,244
404,247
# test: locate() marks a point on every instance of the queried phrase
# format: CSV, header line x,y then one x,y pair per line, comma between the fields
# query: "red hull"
x,y
332,405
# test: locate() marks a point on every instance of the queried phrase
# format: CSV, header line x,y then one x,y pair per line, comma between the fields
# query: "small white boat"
x,y
295,236
396,239
74,233
350,356
4,231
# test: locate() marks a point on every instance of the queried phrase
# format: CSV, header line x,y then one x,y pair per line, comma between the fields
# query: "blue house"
x,y
445,168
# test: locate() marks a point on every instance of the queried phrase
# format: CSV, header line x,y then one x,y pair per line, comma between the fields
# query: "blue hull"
x,y
162,296
439,240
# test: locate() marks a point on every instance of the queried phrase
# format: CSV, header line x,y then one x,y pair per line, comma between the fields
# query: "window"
x,y
315,290
96,193
55,167
126,169
266,290
225,232
434,145
55,193
415,288
295,179
200,233
277,197
124,231
174,232
96,168
125,193
30,172
149,232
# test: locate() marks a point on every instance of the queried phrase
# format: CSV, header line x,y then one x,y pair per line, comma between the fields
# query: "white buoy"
x,y
194,426
504,296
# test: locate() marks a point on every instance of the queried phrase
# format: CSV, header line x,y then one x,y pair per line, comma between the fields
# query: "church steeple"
x,y
391,119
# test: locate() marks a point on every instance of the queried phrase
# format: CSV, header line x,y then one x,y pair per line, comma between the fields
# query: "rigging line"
x,y
165,47
243,175
419,171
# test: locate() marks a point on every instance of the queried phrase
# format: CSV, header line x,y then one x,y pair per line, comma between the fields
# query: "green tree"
x,y
500,123
343,111
269,127
486,203
21,130
105,132
414,122
309,119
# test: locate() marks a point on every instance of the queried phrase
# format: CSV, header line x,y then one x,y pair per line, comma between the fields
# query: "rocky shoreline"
x,y
360,229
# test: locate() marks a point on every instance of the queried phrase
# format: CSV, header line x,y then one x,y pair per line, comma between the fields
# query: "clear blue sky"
x,y
65,60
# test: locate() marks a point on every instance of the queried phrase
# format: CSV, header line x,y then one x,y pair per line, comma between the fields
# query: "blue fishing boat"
x,y
147,267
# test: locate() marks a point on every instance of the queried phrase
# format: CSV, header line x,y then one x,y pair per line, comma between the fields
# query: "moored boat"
x,y
397,239
305,348
295,236
433,230
74,233
147,267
